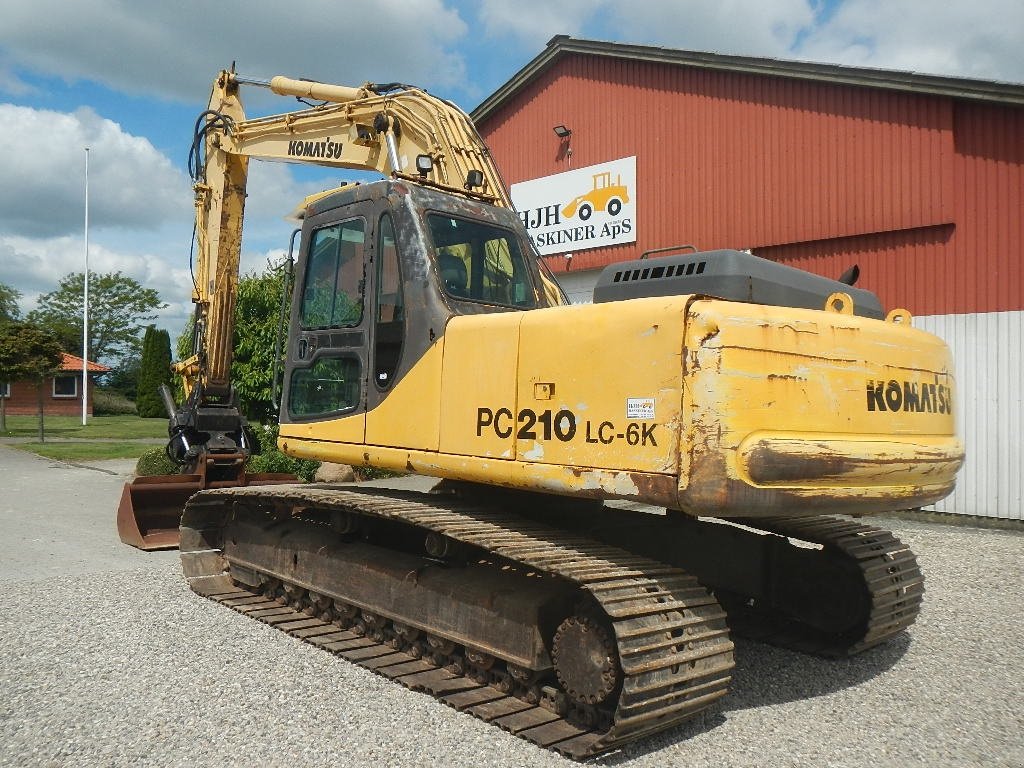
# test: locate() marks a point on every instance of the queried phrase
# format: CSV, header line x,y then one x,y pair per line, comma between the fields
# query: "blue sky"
x,y
128,79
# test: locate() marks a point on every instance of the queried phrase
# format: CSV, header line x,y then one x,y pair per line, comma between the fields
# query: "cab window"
x,y
480,262
330,385
389,330
333,289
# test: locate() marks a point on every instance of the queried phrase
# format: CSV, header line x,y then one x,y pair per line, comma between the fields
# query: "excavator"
x,y
620,485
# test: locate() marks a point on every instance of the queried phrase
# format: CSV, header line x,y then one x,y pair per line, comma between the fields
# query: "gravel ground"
x,y
109,659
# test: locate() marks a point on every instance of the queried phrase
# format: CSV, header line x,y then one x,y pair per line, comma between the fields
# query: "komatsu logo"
x,y
895,395
330,150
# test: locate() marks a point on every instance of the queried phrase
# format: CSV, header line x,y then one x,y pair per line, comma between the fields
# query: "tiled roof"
x,y
72,363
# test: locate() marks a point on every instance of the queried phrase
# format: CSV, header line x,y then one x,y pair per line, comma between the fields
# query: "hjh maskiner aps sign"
x,y
585,208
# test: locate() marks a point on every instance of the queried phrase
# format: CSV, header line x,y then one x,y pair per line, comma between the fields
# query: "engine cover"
x,y
727,274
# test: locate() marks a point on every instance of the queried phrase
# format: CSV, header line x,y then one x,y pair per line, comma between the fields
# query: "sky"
x,y
127,79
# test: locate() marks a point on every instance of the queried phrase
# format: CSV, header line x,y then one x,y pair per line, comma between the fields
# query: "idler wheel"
x,y
586,662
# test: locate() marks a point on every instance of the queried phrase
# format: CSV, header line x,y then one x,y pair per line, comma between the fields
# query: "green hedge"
x,y
106,402
155,462
272,460
154,370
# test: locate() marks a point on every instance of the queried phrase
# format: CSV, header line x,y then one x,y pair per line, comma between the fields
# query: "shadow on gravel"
x,y
767,675
650,745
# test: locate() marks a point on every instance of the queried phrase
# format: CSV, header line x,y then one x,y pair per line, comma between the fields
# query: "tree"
x,y
257,311
27,353
154,370
119,308
9,303
183,351
9,312
124,379
256,325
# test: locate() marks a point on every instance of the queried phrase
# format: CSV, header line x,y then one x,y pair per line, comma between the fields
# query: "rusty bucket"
x,y
151,506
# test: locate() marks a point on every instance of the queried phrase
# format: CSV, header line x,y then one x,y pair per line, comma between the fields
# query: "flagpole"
x,y
85,304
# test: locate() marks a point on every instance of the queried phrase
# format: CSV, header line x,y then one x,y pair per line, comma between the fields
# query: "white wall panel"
x,y
987,350
579,286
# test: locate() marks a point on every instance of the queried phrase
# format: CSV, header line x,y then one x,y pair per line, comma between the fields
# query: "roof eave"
x,y
913,82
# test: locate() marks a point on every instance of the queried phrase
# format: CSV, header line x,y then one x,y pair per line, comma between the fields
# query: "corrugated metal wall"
x,y
925,193
989,373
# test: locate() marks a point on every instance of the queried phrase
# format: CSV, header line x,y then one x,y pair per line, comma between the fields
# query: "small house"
x,y
62,393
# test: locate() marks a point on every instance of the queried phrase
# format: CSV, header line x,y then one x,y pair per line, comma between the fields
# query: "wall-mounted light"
x,y
565,135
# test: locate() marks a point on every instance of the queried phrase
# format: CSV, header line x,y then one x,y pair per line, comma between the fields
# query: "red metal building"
x,y
918,179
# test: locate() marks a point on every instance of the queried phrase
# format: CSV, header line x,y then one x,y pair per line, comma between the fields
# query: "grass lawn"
x,y
98,427
85,451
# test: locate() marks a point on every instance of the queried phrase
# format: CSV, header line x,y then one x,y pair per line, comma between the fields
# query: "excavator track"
x,y
822,585
646,648
893,586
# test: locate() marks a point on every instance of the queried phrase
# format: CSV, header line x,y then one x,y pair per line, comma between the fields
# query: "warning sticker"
x,y
640,408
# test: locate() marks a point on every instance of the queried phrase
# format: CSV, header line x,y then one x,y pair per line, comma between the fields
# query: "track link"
x,y
670,635
856,587
891,577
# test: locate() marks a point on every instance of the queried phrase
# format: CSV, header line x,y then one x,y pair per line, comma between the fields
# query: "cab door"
x,y
328,362
404,388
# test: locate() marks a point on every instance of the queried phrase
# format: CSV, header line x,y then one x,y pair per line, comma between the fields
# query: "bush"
x,y
124,379
375,473
106,402
272,460
155,462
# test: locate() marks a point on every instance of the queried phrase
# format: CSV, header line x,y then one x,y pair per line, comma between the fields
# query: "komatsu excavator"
x,y
622,483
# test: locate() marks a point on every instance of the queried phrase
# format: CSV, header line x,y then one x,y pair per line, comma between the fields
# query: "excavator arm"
x,y
395,130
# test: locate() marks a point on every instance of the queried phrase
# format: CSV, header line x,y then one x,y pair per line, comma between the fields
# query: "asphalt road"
x,y
108,659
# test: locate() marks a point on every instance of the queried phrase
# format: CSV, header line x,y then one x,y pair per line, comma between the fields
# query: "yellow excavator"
x,y
621,484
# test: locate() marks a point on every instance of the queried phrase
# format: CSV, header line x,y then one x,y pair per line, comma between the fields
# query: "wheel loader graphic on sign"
x,y
605,196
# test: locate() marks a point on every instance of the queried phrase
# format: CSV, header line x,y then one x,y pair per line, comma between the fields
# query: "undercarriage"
x,y
575,628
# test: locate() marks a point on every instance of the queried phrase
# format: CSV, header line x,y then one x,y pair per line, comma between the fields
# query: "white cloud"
x,y
9,81
968,38
747,27
733,26
159,259
972,38
537,21
131,184
138,203
173,50
36,265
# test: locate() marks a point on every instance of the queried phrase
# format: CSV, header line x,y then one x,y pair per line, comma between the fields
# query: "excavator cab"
x,y
371,302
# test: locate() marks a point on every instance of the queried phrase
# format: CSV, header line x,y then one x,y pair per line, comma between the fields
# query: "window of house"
x,y
5,389
65,386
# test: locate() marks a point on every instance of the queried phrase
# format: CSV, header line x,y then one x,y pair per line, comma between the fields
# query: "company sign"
x,y
584,208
